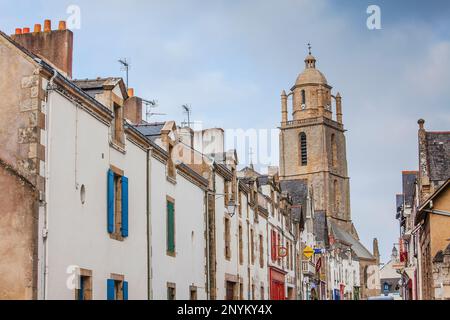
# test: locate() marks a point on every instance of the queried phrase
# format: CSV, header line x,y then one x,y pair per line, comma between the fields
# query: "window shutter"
x,y
110,289
170,227
124,207
125,290
81,290
110,204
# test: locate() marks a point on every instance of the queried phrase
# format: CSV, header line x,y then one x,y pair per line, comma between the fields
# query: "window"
x,y
240,203
241,290
262,293
171,172
333,151
226,198
278,247
261,251
303,93
337,196
193,293
118,131
171,291
117,204
291,253
117,288
303,149
233,184
241,249
253,291
252,246
273,243
288,266
229,293
170,226
84,291
227,238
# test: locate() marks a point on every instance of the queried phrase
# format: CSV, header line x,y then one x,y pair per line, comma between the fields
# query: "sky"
x,y
230,60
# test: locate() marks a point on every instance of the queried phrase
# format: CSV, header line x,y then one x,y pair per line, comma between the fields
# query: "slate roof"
x,y
263,180
298,190
151,130
439,257
408,181
438,155
98,83
320,228
357,247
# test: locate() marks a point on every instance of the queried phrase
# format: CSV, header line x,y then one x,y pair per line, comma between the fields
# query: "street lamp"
x,y
231,208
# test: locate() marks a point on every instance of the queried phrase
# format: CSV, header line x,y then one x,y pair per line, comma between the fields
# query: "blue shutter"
x,y
124,207
110,289
125,290
81,290
110,203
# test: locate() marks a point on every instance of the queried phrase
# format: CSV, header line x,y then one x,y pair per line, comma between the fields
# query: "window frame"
x,y
169,250
303,149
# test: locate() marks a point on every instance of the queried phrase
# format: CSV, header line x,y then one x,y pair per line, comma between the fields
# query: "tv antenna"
x,y
187,110
125,67
149,105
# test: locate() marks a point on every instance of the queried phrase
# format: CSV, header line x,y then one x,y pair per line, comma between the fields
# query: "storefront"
x,y
277,284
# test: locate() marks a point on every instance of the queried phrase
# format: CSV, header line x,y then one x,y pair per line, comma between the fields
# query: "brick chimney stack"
x,y
54,46
133,107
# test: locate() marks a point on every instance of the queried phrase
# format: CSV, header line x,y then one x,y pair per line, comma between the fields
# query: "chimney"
x,y
133,108
376,251
54,46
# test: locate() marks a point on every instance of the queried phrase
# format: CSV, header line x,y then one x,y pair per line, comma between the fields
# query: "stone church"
x,y
313,151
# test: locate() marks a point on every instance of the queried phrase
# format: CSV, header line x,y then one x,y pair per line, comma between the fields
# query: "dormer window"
x,y
171,171
118,130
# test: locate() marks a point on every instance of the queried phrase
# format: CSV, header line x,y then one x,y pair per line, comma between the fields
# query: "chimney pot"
x,y
62,25
37,27
47,25
130,92
26,30
18,31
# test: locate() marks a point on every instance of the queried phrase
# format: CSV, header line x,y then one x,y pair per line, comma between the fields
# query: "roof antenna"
x,y
187,110
125,67
149,105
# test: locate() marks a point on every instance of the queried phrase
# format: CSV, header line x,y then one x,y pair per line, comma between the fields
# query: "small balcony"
x,y
308,268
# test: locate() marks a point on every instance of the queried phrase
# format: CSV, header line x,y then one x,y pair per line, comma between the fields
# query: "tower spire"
x,y
309,48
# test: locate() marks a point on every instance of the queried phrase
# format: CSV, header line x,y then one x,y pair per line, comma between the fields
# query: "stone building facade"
x,y
313,149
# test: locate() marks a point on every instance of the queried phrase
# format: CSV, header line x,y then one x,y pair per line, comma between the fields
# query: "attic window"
x,y
118,130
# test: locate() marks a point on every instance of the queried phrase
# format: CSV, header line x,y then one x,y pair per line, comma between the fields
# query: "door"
x,y
230,290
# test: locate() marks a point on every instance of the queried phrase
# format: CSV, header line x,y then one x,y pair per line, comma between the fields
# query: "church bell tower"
x,y
312,142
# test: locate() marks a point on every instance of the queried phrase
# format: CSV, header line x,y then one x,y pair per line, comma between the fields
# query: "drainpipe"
x,y
208,273
47,184
149,225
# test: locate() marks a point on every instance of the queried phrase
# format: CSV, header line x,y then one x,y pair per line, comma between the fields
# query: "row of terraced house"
x,y
100,204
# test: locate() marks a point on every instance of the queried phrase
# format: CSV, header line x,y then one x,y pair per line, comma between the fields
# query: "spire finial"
x,y
251,157
309,48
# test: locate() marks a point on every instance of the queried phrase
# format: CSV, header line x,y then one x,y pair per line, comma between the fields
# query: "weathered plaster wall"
x,y
21,124
18,230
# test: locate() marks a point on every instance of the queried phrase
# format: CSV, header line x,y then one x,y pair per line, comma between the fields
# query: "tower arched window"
x,y
337,196
333,151
303,95
303,149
